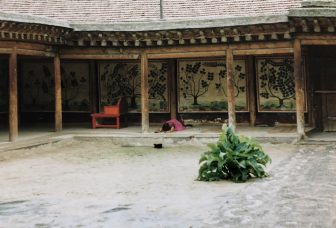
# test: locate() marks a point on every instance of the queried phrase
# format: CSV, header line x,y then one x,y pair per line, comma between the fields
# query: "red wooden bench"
x,y
113,111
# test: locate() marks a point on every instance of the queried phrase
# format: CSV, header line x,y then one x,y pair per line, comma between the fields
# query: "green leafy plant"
x,y
233,158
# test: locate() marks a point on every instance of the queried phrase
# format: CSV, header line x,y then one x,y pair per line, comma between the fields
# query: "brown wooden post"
x,y
173,90
252,91
230,89
299,90
13,101
93,86
144,93
58,93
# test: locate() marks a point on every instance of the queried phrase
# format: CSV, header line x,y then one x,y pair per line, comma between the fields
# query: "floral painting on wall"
x,y
38,86
75,86
202,85
119,79
276,84
3,86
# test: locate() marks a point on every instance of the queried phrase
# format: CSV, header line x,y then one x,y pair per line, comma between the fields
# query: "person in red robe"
x,y
171,126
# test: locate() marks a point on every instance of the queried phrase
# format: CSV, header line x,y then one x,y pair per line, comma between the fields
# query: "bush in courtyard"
x,y
233,158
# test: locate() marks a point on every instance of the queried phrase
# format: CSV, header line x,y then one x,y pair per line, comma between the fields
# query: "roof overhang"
x,y
23,18
181,24
313,12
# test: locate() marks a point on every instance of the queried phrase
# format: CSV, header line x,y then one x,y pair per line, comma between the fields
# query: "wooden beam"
x,y
220,47
13,101
58,94
186,55
25,46
100,57
304,37
6,50
252,98
26,49
35,53
264,51
76,53
144,93
230,89
319,42
299,90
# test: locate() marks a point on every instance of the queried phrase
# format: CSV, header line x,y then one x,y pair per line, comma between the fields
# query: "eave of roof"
x,y
182,24
32,19
318,3
313,12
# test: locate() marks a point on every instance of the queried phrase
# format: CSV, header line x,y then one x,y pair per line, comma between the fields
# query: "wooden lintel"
x,y
35,53
6,50
264,51
186,55
221,47
318,42
133,53
316,36
24,46
101,57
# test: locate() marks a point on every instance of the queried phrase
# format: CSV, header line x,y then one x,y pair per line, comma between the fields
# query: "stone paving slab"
x,y
84,184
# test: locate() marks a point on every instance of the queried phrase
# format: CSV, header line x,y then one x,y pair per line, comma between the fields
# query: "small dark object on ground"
x,y
158,146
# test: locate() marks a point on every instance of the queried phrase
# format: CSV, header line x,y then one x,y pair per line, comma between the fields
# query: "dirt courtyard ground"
x,y
88,184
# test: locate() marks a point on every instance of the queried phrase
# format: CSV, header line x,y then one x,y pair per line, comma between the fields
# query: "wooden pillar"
x,y
13,100
173,90
252,91
58,94
93,87
299,90
230,89
144,93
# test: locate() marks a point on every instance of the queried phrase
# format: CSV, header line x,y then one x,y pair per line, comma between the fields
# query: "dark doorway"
x,y
323,84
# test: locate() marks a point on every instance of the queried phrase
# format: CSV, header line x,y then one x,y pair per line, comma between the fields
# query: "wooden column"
x,y
252,91
58,94
230,89
144,93
299,90
13,101
173,90
93,87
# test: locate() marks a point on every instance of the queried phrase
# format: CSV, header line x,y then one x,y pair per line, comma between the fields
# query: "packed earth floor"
x,y
73,183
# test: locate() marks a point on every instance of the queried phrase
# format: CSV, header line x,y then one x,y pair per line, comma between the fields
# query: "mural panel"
x,y
202,85
276,85
123,79
38,87
158,87
3,86
75,86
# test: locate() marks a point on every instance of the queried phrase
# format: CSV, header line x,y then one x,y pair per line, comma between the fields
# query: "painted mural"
x,y
276,85
38,87
158,87
202,85
123,79
3,86
75,86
